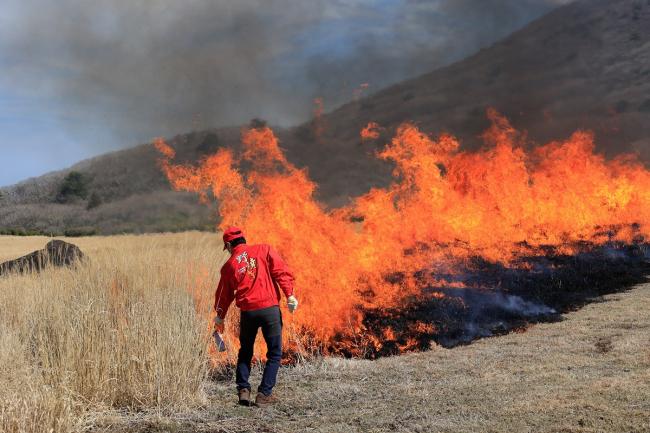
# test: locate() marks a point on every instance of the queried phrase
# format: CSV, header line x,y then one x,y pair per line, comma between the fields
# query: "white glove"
x,y
292,303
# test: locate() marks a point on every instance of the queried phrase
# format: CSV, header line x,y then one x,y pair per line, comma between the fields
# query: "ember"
x,y
461,245
370,132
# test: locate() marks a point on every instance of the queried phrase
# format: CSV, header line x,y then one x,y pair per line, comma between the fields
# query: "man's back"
x,y
253,276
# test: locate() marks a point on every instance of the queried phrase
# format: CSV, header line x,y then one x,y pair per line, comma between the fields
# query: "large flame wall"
x,y
444,205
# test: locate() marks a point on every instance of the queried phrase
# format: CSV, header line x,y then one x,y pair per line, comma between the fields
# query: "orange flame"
x,y
443,206
370,132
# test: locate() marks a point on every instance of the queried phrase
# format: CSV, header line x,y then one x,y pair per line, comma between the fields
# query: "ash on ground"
x,y
484,299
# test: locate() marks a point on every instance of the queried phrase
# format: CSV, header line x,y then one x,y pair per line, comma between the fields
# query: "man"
x,y
253,277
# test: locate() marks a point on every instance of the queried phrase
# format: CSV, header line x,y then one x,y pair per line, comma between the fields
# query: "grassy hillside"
x,y
134,195
585,65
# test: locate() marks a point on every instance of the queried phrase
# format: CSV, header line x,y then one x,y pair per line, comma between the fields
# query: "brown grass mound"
x,y
56,253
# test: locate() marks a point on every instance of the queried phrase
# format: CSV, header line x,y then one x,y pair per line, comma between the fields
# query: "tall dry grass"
x,y
128,328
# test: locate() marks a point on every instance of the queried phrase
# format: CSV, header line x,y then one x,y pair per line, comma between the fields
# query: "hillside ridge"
x,y
585,65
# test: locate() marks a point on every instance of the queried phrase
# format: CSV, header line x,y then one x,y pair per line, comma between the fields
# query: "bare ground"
x,y
588,373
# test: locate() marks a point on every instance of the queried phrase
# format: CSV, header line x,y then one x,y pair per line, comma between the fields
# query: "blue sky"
x,y
34,141
83,78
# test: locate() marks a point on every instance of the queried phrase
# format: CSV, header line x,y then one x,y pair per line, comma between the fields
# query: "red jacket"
x,y
252,276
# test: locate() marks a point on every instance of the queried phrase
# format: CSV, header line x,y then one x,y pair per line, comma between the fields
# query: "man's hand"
x,y
218,322
292,303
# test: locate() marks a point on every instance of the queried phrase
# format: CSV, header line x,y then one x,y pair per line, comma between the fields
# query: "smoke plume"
x,y
139,69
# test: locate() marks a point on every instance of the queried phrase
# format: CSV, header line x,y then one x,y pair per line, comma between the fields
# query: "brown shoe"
x,y
265,400
245,397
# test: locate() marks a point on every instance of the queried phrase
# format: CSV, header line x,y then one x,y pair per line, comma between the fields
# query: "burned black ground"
x,y
496,298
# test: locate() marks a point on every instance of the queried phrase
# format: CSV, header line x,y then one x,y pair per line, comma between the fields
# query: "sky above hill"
x,y
82,78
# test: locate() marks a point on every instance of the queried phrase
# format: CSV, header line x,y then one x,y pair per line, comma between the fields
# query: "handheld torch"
x,y
218,341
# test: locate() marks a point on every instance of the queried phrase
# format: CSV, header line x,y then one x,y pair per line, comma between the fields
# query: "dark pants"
x,y
270,320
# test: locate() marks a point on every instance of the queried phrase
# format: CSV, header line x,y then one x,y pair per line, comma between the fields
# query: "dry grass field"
x,y
120,345
125,330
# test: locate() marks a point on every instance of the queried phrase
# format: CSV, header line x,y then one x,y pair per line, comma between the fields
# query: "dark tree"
x,y
74,186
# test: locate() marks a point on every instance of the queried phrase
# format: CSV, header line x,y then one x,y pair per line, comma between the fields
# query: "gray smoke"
x,y
488,308
517,305
137,69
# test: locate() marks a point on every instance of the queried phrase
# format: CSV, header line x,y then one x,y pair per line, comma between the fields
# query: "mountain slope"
x,y
583,66
134,194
